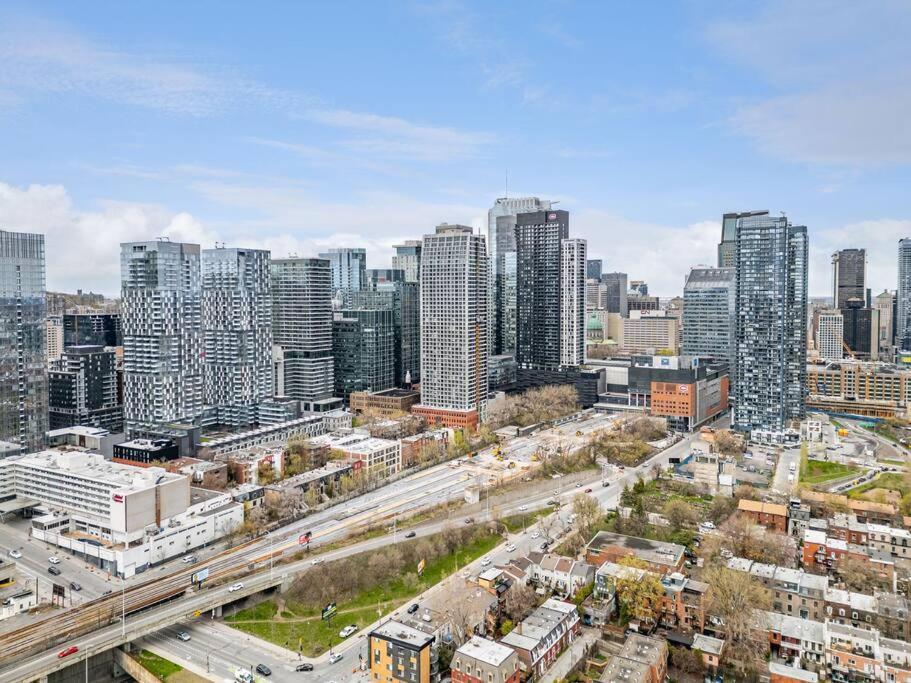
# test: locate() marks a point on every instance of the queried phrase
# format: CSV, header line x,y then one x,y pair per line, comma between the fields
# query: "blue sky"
x,y
297,126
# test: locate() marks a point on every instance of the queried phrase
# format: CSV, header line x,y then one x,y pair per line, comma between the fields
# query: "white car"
x,y
189,559
236,587
707,525
183,635
726,554
466,574
523,508
53,559
15,554
535,534
335,657
347,631
510,548
485,562
316,560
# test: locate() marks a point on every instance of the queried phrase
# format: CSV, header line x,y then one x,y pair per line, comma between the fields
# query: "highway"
x,y
216,650
422,490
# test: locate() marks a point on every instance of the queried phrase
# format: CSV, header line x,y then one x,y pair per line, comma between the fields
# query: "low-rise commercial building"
x,y
378,458
120,517
861,388
146,451
390,402
310,426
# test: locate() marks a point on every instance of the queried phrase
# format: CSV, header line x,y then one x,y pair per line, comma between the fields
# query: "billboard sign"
x,y
304,538
329,611
200,576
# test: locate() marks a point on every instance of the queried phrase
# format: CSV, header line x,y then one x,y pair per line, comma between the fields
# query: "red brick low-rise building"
x,y
484,661
770,515
540,638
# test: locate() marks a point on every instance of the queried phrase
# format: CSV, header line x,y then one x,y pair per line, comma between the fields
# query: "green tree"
x,y
640,595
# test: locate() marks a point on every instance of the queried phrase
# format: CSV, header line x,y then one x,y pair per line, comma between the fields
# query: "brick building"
x,y
770,515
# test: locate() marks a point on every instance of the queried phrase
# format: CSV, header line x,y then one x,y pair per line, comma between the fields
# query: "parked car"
x,y
306,666
413,608
510,547
316,560
347,631
410,534
707,525
588,490
15,554
335,657
189,559
485,562
68,651
53,570
523,508
236,587
53,559
263,670
75,586
535,534
183,635
469,520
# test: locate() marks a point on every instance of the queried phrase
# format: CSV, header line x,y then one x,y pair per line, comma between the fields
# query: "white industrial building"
x,y
120,517
378,457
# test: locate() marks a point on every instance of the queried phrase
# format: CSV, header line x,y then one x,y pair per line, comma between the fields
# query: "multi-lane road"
x,y
216,651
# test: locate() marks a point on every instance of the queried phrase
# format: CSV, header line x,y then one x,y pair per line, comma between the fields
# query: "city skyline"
x,y
172,136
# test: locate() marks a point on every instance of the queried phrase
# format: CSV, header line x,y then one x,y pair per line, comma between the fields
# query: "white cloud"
x,y
839,75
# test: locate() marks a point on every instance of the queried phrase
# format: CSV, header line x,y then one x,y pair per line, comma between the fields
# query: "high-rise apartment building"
x,y
501,243
830,335
83,389
23,367
92,329
388,289
708,314
407,258
729,236
454,286
542,290
237,332
302,330
363,348
903,296
348,266
572,302
593,269
770,261
53,337
616,294
849,272
639,287
162,334
885,303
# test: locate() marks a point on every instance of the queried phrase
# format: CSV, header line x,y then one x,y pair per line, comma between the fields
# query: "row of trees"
x,y
534,406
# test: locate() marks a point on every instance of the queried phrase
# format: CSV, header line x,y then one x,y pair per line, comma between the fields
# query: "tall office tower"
x,y
639,287
454,285
501,243
23,367
849,268
302,329
617,293
363,347
388,289
884,303
593,269
708,315
348,266
408,259
572,302
83,389
237,332
729,236
162,334
861,329
595,295
770,259
539,302
903,296
53,337
830,335
92,329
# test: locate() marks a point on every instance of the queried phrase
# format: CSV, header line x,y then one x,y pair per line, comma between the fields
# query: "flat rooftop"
x,y
484,650
91,466
623,670
655,552
398,632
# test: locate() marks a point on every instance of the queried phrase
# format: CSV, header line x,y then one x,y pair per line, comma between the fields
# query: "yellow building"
x,y
400,653
861,388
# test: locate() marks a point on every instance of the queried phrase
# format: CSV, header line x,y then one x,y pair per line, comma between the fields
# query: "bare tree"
x,y
520,601
679,514
736,598
588,513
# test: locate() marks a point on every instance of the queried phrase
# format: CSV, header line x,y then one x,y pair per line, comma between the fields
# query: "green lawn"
x,y
159,667
895,481
820,471
516,523
897,463
301,628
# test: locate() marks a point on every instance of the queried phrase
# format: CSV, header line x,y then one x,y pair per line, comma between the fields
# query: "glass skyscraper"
x,y
708,314
770,261
348,266
903,296
23,368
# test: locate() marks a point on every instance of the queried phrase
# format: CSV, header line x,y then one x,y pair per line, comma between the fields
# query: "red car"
x,y
70,650
588,490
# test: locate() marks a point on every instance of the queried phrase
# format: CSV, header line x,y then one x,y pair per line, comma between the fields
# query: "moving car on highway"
x,y
236,587
67,652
